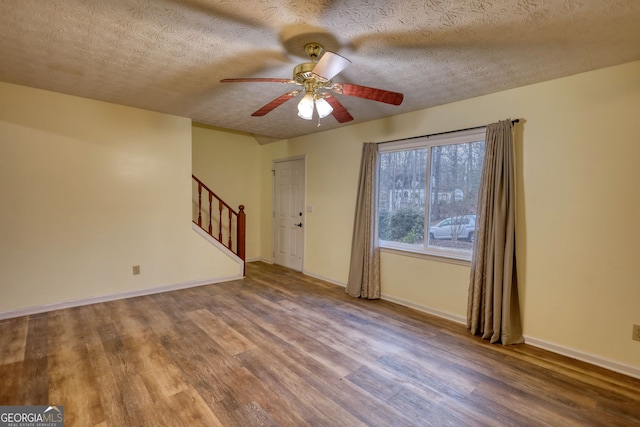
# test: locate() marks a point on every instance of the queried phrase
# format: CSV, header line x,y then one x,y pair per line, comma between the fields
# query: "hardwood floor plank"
x,y
284,328
13,343
283,349
533,408
249,326
128,320
430,371
11,384
454,359
98,360
618,413
455,384
578,370
185,408
228,338
154,366
118,402
210,370
72,385
63,330
13,339
367,407
198,358
313,406
256,414
122,382
257,403
420,406
352,335
34,389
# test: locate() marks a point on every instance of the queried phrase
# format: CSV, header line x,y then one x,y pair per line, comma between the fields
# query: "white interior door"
x,y
289,213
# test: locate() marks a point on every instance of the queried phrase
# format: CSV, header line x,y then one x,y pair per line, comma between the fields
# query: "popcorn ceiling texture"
x,y
169,55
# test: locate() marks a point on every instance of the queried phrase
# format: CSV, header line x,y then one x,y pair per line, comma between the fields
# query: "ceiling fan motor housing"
x,y
302,72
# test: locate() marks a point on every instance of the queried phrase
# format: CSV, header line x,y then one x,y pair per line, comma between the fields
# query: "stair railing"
x,y
222,223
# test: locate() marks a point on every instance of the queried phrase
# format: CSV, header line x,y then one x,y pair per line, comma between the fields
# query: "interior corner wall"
x,y
577,146
89,189
229,164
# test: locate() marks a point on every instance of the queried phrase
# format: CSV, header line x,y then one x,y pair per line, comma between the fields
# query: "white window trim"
x,y
426,255
432,253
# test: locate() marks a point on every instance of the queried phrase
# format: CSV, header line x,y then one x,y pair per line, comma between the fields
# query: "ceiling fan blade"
x,y
275,103
257,79
329,66
339,112
380,95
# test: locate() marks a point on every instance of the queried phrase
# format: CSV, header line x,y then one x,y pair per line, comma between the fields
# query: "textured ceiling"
x,y
169,55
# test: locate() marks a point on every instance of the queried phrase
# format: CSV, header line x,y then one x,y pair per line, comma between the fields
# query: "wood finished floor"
x,y
279,348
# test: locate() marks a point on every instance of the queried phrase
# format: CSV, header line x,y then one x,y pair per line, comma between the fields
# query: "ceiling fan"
x,y
316,81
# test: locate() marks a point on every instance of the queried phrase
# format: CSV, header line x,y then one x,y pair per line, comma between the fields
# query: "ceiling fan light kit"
x,y
323,107
305,107
316,78
309,102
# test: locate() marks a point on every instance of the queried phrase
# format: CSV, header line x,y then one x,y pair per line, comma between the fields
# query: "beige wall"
x,y
229,164
89,189
330,179
578,146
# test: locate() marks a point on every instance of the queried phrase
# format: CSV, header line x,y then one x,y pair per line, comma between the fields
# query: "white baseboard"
x,y
259,259
113,297
324,279
425,309
622,368
400,301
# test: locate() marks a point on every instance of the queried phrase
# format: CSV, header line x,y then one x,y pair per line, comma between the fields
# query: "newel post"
x,y
242,223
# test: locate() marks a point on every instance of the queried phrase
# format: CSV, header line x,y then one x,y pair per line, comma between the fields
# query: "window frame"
x,y
429,141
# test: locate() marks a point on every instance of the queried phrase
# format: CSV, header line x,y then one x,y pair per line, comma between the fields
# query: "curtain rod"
x,y
441,133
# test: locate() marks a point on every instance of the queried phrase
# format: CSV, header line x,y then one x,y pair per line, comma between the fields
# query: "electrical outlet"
x,y
136,270
636,332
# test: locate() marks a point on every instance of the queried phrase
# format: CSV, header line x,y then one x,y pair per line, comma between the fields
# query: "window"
x,y
433,181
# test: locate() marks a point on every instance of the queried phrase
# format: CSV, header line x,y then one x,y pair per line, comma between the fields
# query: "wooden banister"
x,y
224,228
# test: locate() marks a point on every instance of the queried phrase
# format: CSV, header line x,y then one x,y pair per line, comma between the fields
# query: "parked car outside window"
x,y
454,228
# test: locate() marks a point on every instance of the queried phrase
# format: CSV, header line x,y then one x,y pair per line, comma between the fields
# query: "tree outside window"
x,y
433,183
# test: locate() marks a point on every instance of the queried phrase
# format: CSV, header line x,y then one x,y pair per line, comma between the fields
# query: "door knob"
x,y
299,225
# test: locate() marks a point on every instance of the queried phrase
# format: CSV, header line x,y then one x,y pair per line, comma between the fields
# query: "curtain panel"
x,y
364,269
493,309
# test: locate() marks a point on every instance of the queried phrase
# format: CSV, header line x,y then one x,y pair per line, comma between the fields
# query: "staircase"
x,y
218,219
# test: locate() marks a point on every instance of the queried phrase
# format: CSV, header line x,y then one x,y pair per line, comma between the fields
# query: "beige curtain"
x,y
493,308
364,270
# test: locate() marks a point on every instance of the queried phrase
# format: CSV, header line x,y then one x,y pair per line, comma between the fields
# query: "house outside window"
x,y
428,193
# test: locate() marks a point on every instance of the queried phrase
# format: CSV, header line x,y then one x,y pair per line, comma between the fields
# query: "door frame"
x,y
273,204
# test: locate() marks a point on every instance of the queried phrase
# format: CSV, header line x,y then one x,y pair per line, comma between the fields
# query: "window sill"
x,y
457,259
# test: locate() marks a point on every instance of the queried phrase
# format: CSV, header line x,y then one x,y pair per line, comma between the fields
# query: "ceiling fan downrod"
x,y
313,50
303,72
